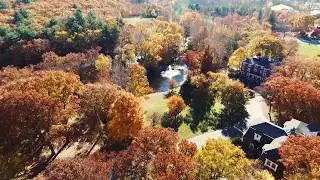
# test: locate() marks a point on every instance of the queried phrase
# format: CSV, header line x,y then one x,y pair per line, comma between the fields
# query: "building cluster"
x,y
264,139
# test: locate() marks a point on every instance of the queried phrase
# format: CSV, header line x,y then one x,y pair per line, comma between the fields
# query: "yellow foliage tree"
x,y
236,58
221,159
103,66
302,22
126,118
266,45
138,82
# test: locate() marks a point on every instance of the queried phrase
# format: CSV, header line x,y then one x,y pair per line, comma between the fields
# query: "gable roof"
x,y
269,129
275,144
262,61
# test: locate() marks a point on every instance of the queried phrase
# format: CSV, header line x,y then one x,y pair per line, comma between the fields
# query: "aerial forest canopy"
x,y
159,89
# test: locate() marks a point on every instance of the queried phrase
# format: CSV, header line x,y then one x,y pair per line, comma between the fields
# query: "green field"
x,y
309,50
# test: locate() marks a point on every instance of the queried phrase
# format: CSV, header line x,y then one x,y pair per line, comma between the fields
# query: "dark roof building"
x,y
316,33
259,135
255,70
270,156
264,139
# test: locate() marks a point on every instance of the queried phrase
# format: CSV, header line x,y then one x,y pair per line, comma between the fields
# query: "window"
x,y
257,137
271,165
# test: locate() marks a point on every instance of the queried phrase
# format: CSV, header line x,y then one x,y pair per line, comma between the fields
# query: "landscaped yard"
x,y
309,50
157,103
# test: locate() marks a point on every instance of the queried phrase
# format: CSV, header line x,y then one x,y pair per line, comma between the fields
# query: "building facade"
x,y
255,70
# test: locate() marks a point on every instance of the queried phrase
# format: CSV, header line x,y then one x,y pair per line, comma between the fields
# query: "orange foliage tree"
x,y
176,105
193,60
95,103
301,157
158,148
292,98
126,118
9,74
61,87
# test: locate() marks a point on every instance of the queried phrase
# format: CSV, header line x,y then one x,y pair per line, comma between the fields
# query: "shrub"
x,y
168,121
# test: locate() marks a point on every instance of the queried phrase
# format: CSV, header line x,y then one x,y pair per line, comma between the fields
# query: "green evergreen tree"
x,y
4,4
76,23
21,15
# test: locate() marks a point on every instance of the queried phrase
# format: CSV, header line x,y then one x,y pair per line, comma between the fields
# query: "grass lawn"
x,y
157,103
309,50
136,20
154,103
186,133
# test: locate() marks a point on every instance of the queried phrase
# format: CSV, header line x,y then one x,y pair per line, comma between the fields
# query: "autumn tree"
x,y
233,97
103,68
76,168
225,42
26,118
221,159
302,22
149,149
266,45
138,83
171,119
89,65
301,68
95,103
290,48
26,52
126,118
300,156
209,60
292,98
173,165
193,60
157,42
61,87
175,105
236,58
9,74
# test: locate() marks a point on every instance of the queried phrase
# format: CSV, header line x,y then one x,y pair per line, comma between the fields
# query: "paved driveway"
x,y
258,111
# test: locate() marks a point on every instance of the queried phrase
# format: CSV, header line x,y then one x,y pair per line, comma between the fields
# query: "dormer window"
x,y
257,137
